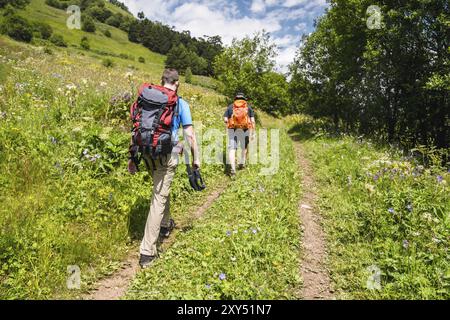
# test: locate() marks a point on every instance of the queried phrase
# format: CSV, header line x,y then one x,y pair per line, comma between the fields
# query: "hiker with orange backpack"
x,y
240,121
157,115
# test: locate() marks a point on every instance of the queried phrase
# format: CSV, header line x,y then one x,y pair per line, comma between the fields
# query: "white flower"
x,y
103,84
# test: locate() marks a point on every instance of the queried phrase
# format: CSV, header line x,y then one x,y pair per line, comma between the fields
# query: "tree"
x,y
246,66
388,82
180,58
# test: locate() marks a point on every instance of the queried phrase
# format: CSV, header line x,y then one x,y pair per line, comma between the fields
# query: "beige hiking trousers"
x,y
159,215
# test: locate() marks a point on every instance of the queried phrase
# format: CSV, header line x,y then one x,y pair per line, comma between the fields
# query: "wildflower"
x,y
233,259
3,115
57,76
255,231
71,87
85,152
405,244
436,240
245,231
391,210
409,207
53,140
208,286
222,276
235,231
370,188
376,177
440,179
228,233
103,84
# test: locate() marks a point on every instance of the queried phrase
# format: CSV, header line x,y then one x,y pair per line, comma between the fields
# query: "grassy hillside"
x,y
66,196
116,45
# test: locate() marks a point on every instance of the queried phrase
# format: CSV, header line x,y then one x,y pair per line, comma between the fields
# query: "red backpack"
x,y
152,115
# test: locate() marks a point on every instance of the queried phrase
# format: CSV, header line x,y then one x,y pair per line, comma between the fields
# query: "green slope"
x,y
101,45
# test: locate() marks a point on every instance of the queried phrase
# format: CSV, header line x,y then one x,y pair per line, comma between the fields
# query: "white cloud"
x,y
258,6
284,19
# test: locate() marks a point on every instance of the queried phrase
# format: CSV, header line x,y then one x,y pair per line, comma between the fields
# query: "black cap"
x,y
240,96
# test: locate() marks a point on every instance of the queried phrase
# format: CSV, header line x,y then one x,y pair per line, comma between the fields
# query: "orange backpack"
x,y
240,118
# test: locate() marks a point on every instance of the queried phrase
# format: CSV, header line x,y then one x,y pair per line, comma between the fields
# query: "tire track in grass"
x,y
316,279
116,285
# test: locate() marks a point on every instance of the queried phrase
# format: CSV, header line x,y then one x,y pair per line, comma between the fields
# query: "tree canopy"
x,y
391,81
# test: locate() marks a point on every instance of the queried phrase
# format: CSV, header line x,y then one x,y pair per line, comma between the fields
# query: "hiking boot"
x,y
165,231
145,261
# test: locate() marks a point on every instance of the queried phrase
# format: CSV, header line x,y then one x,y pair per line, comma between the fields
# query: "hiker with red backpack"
x,y
157,116
240,121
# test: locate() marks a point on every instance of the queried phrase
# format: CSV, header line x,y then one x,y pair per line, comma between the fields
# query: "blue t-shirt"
x,y
184,118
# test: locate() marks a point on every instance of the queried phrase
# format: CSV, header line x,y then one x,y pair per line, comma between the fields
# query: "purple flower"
x,y
255,231
228,233
405,244
208,286
376,177
222,276
391,210
440,179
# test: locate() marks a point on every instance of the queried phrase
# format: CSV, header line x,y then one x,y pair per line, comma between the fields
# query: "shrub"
x,y
17,28
114,20
88,25
58,40
108,63
85,43
44,30
141,59
56,4
16,3
188,75
47,50
107,33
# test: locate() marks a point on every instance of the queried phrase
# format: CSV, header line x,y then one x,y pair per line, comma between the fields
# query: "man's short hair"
x,y
170,76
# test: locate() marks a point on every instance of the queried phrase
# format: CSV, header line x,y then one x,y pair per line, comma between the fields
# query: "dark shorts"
x,y
238,138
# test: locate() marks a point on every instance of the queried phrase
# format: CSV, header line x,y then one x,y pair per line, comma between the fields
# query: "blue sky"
x,y
286,20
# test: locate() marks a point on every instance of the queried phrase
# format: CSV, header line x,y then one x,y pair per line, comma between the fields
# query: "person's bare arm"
x,y
189,134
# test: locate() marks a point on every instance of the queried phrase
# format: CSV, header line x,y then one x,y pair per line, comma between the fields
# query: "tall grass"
x,y
67,198
383,213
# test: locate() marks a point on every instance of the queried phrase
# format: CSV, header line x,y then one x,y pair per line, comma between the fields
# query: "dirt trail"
x,y
316,280
116,285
